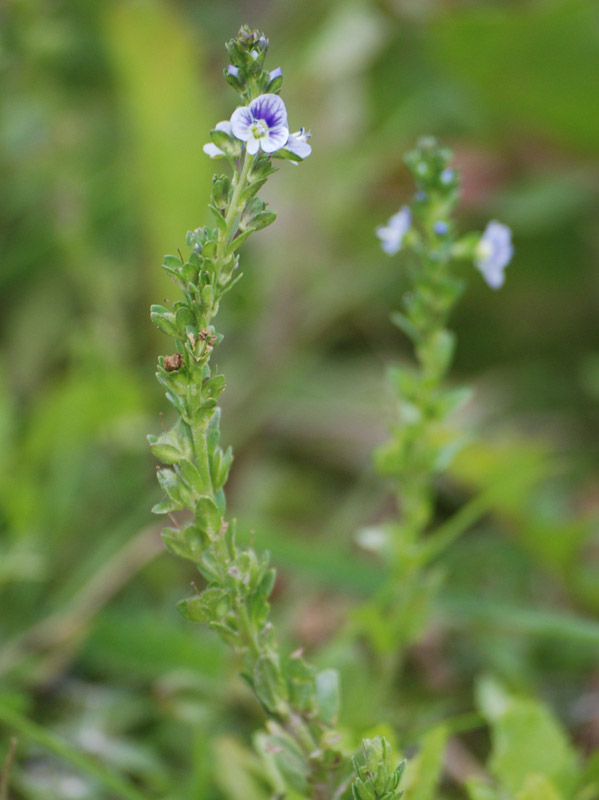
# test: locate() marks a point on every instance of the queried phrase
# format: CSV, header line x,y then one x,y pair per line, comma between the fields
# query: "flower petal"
x,y
271,109
274,140
253,146
298,145
241,123
224,126
494,253
213,151
392,234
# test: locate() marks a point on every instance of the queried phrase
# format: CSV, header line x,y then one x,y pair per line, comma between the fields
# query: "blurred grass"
x,y
103,112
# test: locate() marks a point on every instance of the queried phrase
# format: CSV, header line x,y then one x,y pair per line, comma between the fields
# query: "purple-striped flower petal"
x,y
271,109
241,123
274,140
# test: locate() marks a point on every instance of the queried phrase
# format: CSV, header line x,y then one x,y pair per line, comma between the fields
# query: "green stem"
x,y
61,747
5,772
233,210
200,426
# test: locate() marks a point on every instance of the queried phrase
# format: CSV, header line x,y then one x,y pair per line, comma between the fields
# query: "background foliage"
x,y
103,111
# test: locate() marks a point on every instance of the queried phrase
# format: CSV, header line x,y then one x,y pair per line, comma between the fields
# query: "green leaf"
x,y
220,464
327,690
236,771
451,400
285,763
407,382
251,190
173,445
187,542
526,740
163,319
228,144
437,351
175,489
480,790
209,606
269,685
263,220
172,263
424,772
221,223
404,324
190,475
301,680
213,387
213,431
537,787
238,240
176,403
208,517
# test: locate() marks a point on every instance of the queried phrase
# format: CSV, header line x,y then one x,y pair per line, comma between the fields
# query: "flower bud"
x,y
221,187
275,80
376,779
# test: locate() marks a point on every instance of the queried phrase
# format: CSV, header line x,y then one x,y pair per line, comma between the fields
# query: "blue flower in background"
x,y
211,149
262,124
391,234
494,252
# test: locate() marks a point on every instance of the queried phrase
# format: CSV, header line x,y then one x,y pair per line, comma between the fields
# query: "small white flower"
x,y
494,252
392,234
298,144
211,149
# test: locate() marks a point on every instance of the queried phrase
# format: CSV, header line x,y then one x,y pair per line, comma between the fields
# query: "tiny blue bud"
x,y
421,197
447,176
231,70
441,228
275,73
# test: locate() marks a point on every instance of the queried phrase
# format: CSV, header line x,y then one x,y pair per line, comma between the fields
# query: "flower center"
x,y
259,128
484,250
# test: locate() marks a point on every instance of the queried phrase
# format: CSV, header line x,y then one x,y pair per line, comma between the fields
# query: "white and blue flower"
x,y
494,252
392,234
262,124
298,144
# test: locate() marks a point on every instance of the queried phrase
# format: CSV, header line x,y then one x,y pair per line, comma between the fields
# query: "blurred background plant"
x,y
103,112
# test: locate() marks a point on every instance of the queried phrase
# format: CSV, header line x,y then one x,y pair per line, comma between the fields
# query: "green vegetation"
x,y
104,108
